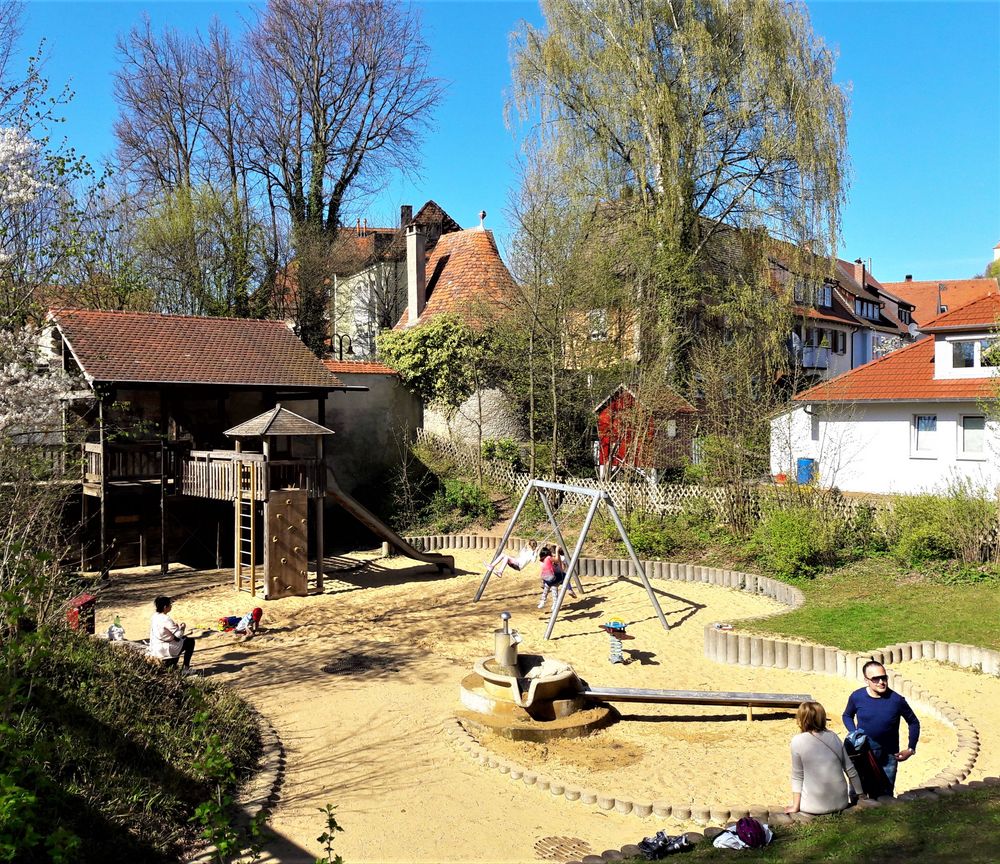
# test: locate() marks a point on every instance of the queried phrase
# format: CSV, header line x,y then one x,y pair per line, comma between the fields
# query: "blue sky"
x,y
924,134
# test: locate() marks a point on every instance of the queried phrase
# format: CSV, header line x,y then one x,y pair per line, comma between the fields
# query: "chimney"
x,y
405,215
996,252
859,272
416,273
909,277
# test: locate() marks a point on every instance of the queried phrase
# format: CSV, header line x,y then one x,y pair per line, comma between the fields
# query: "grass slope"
x,y
116,753
963,827
871,603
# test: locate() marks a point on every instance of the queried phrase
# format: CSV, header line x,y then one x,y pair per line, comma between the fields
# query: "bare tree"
x,y
341,95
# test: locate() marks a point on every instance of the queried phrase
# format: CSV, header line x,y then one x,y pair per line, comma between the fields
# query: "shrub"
x,y
795,541
650,537
457,504
505,450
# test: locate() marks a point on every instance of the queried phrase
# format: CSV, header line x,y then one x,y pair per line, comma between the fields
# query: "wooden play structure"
x,y
166,472
597,497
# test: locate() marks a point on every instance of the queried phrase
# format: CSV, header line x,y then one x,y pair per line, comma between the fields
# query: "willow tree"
x,y
687,119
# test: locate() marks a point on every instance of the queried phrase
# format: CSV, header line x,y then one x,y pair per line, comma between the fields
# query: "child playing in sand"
x,y
245,626
526,556
553,574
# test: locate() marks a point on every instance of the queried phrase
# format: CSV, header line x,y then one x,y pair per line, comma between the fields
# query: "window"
x,y
814,427
866,309
924,434
597,324
840,342
824,296
671,428
974,353
972,436
904,316
963,354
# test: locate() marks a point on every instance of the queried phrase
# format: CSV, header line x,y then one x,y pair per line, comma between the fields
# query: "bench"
x,y
698,697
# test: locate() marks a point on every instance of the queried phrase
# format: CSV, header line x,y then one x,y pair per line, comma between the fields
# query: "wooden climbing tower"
x,y
271,491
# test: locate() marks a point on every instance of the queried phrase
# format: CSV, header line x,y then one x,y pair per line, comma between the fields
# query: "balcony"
x,y
814,357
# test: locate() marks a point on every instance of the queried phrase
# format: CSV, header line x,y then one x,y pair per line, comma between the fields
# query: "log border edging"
x,y
734,647
262,791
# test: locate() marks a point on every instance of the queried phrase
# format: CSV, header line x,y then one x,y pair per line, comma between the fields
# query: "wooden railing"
x,y
219,474
132,462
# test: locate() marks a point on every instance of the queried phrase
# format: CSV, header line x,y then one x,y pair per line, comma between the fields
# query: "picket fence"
x,y
654,498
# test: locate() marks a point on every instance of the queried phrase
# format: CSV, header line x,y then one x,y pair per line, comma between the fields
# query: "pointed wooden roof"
x,y
277,421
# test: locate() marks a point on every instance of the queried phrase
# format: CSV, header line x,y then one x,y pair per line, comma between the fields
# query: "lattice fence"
x,y
660,498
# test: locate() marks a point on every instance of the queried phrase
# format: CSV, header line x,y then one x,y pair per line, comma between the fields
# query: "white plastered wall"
x,y
869,447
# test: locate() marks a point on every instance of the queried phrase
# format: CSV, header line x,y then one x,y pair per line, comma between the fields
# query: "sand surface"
x,y
357,682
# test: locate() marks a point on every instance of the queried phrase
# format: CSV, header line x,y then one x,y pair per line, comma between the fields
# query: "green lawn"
x,y
872,603
961,828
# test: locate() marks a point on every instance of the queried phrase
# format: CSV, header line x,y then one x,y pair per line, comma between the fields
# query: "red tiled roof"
x,y
464,272
980,313
906,374
954,293
358,367
143,347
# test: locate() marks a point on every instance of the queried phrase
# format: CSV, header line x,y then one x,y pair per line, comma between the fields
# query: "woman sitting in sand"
x,y
819,763
167,639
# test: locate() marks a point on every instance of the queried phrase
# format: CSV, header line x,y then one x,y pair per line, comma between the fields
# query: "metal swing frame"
x,y
597,496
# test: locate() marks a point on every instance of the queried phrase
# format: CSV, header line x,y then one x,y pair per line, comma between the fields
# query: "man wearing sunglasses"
x,y
878,711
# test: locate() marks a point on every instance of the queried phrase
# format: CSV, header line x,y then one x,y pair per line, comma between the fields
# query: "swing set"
x,y
596,498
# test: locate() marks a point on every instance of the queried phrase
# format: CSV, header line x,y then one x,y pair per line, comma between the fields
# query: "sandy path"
x,y
357,682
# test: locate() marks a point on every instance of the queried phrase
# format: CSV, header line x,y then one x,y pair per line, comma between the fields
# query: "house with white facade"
x,y
371,275
909,421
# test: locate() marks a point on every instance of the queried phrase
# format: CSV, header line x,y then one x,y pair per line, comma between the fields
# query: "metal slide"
x,y
380,529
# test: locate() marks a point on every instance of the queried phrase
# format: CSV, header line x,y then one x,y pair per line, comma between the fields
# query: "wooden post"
x,y
320,503
104,487
164,563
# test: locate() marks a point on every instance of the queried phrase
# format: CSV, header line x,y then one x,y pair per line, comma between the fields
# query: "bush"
x,y
505,450
102,763
457,504
796,541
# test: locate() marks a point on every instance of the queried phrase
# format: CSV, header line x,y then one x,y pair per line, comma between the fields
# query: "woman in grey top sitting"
x,y
819,764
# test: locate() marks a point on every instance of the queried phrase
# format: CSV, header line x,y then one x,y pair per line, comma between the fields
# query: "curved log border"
x,y
736,647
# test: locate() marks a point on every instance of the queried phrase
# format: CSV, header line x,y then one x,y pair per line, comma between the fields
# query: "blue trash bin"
x,y
805,471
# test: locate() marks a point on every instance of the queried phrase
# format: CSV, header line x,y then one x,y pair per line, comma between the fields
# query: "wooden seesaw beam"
x,y
698,697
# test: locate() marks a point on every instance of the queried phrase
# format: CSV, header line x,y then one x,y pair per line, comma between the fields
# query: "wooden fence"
x,y
658,498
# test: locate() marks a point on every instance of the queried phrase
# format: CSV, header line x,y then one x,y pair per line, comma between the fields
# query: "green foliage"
x,y
457,504
796,541
443,361
955,524
328,836
116,755
505,450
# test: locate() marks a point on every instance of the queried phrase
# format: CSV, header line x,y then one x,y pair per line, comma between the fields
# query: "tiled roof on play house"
x,y
464,275
277,421
904,375
668,401
150,348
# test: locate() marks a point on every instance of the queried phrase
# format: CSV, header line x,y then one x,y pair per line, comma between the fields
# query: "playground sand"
x,y
357,682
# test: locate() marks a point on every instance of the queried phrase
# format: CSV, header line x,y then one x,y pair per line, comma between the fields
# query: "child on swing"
x,y
553,574
526,556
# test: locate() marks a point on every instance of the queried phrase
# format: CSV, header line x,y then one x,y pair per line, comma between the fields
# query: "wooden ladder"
x,y
245,557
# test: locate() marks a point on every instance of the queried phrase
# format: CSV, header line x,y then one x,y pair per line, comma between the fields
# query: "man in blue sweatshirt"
x,y
878,711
